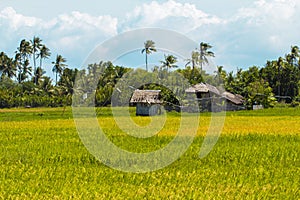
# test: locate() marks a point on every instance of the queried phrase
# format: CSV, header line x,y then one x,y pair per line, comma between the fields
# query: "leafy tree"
x,y
259,93
149,47
194,76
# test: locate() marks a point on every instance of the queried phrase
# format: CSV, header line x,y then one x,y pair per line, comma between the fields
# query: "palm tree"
x,y
25,50
169,62
220,75
149,47
36,46
59,66
22,56
279,66
195,59
26,70
44,53
39,74
204,53
7,66
294,54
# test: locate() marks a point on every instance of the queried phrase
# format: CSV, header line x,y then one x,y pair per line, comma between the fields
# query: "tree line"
x,y
24,83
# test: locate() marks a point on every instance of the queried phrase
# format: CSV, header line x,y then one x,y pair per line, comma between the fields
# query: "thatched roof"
x,y
205,88
236,99
202,88
146,96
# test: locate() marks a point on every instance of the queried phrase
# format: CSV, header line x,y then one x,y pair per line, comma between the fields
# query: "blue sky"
x,y
243,33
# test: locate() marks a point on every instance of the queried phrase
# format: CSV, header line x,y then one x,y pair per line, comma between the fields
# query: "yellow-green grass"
x,y
256,157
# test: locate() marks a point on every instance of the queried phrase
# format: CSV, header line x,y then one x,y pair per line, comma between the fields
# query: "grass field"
x,y
256,157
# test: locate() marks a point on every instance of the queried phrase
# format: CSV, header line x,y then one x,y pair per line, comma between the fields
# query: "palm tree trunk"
x,y
56,79
146,62
41,64
34,69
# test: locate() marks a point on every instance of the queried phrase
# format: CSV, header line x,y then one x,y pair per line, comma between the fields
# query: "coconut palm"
x,y
26,70
294,54
169,62
59,66
149,47
25,50
204,53
195,59
44,53
7,66
36,46
279,66
23,53
39,73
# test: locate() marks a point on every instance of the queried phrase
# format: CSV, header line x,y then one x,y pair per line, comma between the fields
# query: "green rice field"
x,y
256,157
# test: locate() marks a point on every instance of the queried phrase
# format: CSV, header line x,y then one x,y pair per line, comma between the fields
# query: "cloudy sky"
x,y
243,32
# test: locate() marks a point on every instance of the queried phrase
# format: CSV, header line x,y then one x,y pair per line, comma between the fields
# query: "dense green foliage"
x,y
22,84
42,157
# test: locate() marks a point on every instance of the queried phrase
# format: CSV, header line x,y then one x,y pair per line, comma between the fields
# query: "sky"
x,y
243,33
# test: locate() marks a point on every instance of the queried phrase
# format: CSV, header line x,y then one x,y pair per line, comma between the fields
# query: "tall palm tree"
x,y
59,66
36,46
44,53
25,50
295,53
279,66
204,53
7,66
149,47
195,59
169,62
26,70
23,53
18,63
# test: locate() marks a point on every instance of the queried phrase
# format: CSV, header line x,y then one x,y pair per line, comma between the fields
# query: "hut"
x,y
208,95
233,101
147,102
205,94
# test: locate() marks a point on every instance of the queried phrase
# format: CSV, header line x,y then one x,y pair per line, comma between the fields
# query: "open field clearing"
x,y
256,157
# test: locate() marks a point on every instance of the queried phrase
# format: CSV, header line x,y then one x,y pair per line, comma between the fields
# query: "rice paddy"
x,y
256,157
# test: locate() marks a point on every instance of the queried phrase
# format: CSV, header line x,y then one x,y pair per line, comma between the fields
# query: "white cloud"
x,y
264,11
82,21
264,30
16,21
73,35
172,15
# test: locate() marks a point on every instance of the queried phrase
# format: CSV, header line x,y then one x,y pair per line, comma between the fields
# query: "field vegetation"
x,y
256,157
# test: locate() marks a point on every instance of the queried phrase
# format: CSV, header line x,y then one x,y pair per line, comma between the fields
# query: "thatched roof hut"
x,y
146,96
203,88
208,94
147,102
